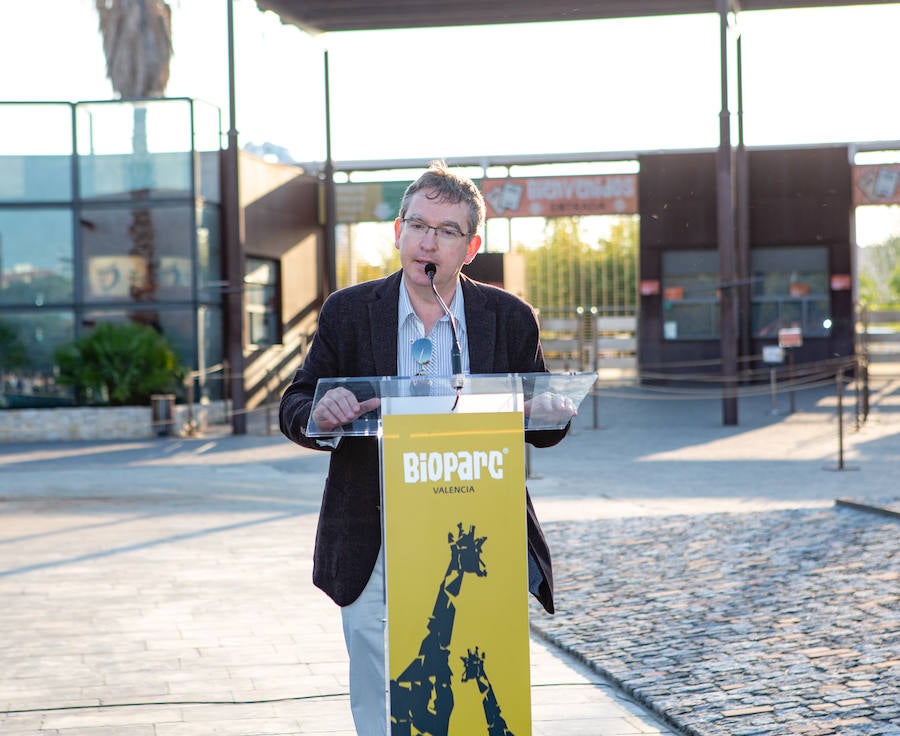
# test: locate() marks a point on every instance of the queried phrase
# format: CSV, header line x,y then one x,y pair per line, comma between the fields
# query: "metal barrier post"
x,y
226,389
840,417
595,396
191,426
865,366
791,378
839,378
865,389
269,400
528,473
774,409
579,321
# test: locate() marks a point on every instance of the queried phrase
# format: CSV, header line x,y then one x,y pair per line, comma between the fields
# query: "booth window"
x,y
790,289
261,290
690,296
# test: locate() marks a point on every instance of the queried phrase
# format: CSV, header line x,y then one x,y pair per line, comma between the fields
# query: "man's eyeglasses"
x,y
421,350
448,234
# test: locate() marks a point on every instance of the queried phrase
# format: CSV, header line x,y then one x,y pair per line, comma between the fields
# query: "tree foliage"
x,y
567,272
13,354
363,270
879,273
137,43
121,365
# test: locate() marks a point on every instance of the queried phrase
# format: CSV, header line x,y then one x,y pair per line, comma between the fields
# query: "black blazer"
x,y
357,336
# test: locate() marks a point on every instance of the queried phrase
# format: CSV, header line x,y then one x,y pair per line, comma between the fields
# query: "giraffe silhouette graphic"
x,y
422,695
473,669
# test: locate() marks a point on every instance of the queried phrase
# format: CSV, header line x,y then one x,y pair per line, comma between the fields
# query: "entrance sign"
x,y
539,196
561,196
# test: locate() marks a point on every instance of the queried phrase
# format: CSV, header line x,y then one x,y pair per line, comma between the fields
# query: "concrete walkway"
x,y
163,589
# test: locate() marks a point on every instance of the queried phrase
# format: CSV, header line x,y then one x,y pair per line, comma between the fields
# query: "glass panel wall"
x,y
195,336
209,252
791,289
210,374
27,342
128,149
131,240
35,152
690,294
208,143
36,254
137,254
176,325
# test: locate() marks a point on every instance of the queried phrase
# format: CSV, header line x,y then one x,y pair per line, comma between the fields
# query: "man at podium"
x,y
426,319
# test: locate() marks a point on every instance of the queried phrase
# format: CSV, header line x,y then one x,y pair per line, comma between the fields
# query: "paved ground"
x,y
717,581
705,576
778,622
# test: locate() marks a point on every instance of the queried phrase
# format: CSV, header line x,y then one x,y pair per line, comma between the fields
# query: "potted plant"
x,y
120,365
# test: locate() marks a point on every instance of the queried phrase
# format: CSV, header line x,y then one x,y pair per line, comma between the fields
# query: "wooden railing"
x,y
878,333
586,341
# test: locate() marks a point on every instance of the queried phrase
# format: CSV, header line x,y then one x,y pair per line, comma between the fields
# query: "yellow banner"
x,y
457,578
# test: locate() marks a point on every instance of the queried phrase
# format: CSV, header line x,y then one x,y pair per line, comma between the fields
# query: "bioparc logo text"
x,y
458,469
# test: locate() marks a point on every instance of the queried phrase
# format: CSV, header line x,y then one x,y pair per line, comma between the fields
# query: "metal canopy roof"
x,y
320,16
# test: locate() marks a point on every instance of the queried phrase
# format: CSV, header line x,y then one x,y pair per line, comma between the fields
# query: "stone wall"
x,y
104,423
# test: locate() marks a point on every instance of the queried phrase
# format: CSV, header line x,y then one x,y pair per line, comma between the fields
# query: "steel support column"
x,y
328,270
726,235
742,204
233,243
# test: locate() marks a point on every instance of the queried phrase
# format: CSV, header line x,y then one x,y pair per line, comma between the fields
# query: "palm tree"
x,y
137,43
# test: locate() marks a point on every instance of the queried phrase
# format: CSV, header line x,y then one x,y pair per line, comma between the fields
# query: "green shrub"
x,y
13,353
120,365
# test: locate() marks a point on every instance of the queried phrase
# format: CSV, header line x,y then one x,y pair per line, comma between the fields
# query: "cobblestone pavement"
x,y
738,624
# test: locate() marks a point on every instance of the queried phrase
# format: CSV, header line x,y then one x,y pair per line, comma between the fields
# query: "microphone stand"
x,y
455,349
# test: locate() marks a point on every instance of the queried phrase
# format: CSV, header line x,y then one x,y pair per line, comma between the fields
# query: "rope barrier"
x,y
652,385
803,379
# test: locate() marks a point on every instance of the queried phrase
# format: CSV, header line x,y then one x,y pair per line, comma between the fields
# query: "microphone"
x,y
455,349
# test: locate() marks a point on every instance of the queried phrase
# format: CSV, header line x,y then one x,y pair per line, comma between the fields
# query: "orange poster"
x,y
876,184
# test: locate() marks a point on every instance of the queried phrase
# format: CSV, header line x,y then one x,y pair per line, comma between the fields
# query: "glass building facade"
x,y
109,212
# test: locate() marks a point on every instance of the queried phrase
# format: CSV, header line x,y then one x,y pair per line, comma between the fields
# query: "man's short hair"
x,y
446,186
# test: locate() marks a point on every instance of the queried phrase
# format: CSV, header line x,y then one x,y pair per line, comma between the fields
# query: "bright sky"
x,y
810,76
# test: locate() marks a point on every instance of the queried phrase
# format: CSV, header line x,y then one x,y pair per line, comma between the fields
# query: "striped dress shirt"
x,y
410,328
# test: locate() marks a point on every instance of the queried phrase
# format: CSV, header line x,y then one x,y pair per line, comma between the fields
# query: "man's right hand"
x,y
549,408
338,407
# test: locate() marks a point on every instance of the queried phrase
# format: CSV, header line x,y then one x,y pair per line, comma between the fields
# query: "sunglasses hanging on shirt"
x,y
421,351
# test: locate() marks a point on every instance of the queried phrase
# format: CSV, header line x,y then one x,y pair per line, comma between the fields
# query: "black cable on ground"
x,y
262,701
103,706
